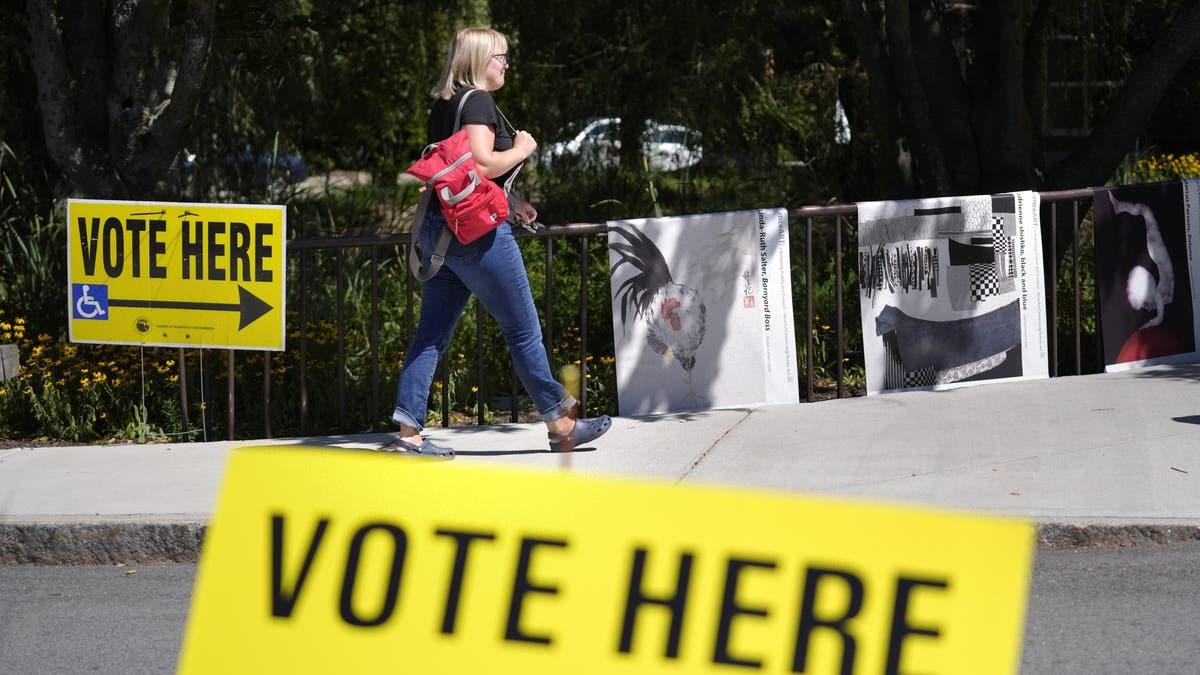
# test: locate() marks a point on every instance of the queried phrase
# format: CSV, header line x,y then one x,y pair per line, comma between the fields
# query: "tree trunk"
x,y
895,177
116,92
921,87
1093,162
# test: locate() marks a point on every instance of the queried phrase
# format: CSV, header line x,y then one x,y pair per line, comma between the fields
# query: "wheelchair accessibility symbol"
x,y
91,301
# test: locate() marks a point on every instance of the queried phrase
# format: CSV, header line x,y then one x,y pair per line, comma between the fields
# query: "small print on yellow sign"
x,y
327,560
174,274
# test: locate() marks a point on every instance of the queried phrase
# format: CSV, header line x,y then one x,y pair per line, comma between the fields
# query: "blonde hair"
x,y
467,59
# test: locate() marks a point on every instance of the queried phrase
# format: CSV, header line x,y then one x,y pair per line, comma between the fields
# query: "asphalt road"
x,y
1095,611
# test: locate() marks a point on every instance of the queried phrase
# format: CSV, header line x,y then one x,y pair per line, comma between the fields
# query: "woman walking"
x,y
490,267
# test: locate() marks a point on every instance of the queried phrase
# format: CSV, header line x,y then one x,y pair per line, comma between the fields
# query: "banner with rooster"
x,y
1145,284
702,312
952,291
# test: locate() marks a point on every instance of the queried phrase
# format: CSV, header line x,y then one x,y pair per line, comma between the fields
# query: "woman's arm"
x,y
490,162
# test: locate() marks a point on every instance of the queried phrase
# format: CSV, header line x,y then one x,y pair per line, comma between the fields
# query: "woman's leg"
x,y
496,275
443,299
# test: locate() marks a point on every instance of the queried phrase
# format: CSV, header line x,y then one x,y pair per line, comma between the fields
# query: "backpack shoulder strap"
x,y
461,102
439,250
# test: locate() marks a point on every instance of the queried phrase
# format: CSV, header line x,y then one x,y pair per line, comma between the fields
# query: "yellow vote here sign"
x,y
174,274
344,561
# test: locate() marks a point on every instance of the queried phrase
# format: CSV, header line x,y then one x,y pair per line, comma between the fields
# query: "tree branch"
x,y
918,121
895,166
1003,122
1035,79
83,20
946,92
155,84
82,162
1094,161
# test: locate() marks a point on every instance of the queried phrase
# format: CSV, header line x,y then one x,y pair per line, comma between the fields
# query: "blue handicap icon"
x,y
90,301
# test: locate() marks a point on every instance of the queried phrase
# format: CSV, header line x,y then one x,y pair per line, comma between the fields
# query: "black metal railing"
x,y
829,221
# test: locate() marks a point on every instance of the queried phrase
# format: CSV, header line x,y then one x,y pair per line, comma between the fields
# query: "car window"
x,y
672,136
603,130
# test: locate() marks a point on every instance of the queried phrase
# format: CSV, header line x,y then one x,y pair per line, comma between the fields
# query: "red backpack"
x,y
472,205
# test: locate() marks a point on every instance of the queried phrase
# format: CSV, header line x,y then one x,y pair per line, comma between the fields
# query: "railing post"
x,y
583,324
230,389
479,362
838,286
548,322
207,395
1053,283
375,401
341,337
1075,268
183,394
303,342
808,305
267,394
445,389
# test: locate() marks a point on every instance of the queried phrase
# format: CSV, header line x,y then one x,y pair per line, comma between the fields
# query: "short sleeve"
x,y
481,107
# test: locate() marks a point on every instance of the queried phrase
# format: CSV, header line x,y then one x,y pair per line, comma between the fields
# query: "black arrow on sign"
x,y
249,306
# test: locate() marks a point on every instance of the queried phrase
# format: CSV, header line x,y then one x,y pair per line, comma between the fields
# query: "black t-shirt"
x,y
480,107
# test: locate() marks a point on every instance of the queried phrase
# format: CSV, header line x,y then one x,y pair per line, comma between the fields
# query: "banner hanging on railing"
x,y
952,291
1147,289
702,312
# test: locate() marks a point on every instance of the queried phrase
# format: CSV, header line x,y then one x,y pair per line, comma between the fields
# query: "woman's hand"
x,y
525,143
490,162
524,212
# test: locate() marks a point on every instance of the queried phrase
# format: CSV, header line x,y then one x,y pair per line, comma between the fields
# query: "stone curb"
x,y
99,543
133,543
1056,535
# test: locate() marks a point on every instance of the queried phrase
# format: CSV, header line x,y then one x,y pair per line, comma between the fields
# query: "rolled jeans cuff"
x,y
401,416
561,408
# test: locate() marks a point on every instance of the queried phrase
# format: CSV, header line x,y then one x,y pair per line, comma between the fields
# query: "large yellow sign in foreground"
x,y
341,561
174,274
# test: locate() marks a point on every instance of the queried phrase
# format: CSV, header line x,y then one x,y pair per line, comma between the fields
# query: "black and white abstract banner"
x,y
951,291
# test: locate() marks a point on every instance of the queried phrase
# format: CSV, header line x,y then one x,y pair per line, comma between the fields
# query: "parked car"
x,y
287,167
667,147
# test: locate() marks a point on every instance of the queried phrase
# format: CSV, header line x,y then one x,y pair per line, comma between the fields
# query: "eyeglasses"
x,y
503,58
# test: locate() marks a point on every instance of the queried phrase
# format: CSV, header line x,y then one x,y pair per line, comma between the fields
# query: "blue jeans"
x,y
491,267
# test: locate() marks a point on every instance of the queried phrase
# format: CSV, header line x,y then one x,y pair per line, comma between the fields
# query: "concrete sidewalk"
x,y
1095,460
